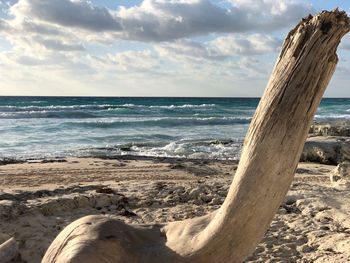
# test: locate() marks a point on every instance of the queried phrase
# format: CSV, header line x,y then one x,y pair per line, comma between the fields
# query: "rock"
x,y
285,250
127,213
9,251
184,197
197,202
222,193
177,166
7,209
10,209
194,193
163,193
215,201
82,201
301,203
104,211
323,217
102,201
115,199
305,249
105,190
201,171
330,129
170,200
4,237
179,189
337,242
68,203
309,211
301,240
291,199
340,176
326,150
51,206
205,198
282,211
341,172
7,196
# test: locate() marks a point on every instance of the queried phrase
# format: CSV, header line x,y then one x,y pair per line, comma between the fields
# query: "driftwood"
x,y
8,251
269,159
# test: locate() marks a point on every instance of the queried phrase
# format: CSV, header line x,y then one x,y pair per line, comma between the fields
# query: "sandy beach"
x,y
39,198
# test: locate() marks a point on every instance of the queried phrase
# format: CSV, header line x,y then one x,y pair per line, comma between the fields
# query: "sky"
x,y
204,48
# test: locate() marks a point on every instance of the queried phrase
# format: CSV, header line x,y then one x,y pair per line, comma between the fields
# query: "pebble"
x,y
197,202
282,211
205,198
194,193
305,248
102,201
215,201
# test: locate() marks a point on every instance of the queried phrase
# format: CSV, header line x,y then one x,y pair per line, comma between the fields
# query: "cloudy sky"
x,y
150,47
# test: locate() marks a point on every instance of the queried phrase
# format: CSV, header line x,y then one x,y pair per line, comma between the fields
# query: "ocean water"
x,y
211,128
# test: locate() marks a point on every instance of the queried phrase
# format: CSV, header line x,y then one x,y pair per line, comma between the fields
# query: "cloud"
x,y
58,45
189,49
221,48
254,44
33,36
39,28
134,61
79,14
3,25
163,20
157,20
75,43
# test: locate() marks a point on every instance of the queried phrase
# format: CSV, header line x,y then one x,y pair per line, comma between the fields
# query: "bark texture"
x,y
269,158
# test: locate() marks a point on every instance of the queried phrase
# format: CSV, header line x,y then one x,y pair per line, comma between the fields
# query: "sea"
x,y
195,128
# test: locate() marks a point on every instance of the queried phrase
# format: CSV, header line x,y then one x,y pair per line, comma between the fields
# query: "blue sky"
x,y
151,47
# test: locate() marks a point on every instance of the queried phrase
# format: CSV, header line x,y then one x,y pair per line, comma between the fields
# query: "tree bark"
x,y
269,159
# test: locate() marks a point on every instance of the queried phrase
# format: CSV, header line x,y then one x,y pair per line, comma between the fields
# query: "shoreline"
x,y
326,149
6,161
320,129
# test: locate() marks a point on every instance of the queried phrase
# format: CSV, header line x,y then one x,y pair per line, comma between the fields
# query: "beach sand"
x,y
38,199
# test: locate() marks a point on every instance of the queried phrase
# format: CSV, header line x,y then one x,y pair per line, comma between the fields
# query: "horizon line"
x,y
112,96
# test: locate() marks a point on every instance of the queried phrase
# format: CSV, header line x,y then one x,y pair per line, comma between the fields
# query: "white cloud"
x,y
159,20
133,61
221,48
3,25
195,51
58,45
248,45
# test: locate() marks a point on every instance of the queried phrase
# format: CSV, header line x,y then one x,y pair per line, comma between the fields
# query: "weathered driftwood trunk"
x,y
270,155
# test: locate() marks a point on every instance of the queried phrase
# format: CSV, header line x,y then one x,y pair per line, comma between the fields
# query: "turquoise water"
x,y
45,127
